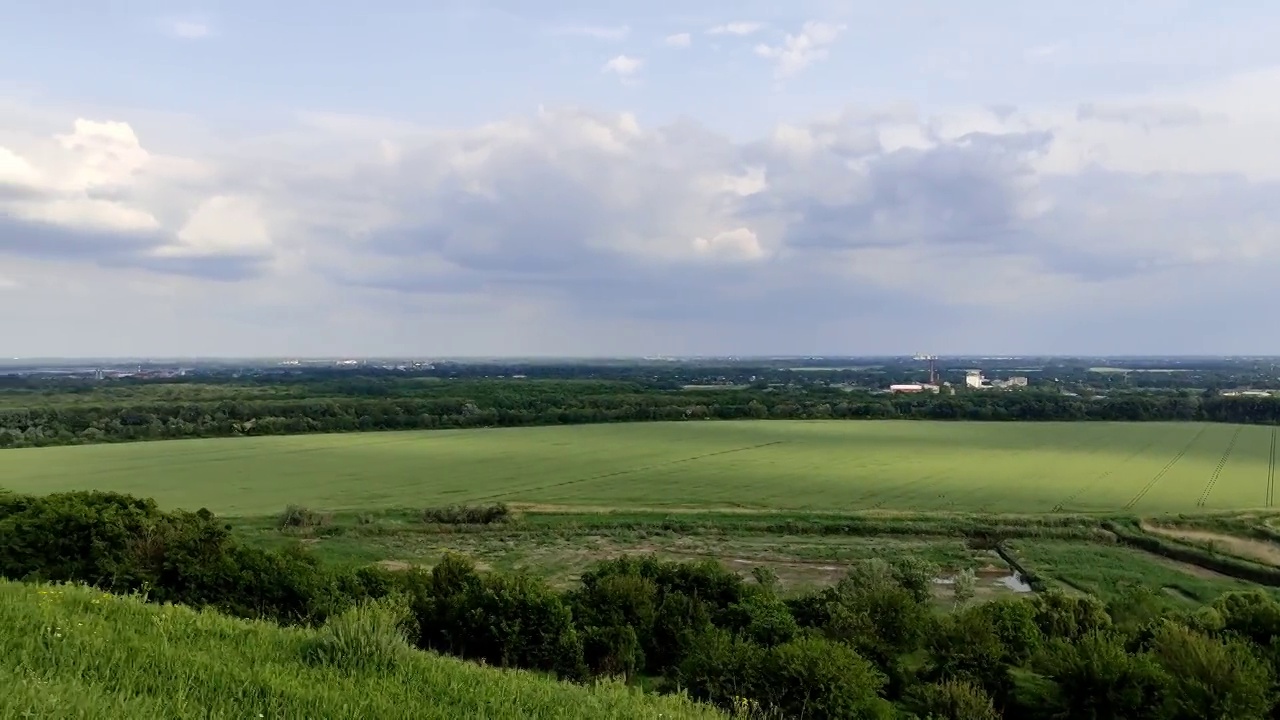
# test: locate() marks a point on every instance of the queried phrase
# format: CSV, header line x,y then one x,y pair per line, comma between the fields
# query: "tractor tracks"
x,y
630,471
1271,472
1163,471
1217,471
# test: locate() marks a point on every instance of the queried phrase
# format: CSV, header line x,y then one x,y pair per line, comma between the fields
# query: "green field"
x,y
774,465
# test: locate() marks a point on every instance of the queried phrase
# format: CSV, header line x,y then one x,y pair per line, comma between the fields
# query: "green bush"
x,y
952,700
467,514
299,517
612,651
367,637
1059,615
1209,678
1093,677
762,619
721,668
504,620
816,678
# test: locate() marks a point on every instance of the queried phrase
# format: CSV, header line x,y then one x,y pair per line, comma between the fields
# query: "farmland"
x,y
801,466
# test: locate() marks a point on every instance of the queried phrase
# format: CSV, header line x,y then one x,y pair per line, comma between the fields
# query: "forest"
x,y
42,413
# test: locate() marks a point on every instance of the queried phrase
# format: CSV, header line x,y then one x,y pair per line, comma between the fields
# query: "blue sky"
x,y
287,178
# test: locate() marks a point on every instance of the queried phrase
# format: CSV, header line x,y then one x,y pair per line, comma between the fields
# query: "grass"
x,y
558,553
775,466
1104,570
72,652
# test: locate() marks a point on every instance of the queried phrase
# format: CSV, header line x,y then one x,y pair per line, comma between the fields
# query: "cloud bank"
x,y
1146,224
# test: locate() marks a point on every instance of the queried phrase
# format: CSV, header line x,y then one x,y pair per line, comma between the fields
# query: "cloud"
x,y
97,194
1134,224
188,29
736,28
679,40
599,32
798,51
623,65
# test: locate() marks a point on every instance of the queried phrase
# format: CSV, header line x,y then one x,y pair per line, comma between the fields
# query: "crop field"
x,y
774,465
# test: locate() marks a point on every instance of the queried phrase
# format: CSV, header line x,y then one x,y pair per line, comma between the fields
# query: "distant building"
x,y
913,388
974,379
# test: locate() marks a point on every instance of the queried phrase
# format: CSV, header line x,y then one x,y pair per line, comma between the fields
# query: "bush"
x,y
952,700
816,678
612,651
1093,677
467,514
77,536
721,668
1209,678
505,620
1059,615
299,517
367,637
762,619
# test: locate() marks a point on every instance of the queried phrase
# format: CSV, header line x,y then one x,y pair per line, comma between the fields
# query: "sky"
x,y
572,178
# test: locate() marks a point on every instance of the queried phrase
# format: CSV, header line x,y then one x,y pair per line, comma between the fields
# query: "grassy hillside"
x,y
777,465
72,652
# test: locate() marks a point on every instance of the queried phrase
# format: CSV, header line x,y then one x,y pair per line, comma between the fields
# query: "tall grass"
x,y
74,652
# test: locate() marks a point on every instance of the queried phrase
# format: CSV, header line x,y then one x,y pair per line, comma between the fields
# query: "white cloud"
x,y
570,231
221,225
679,40
741,28
737,244
188,28
599,32
802,49
623,65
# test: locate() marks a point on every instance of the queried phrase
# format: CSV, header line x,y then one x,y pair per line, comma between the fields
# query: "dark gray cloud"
x,y
42,240
47,240
1147,116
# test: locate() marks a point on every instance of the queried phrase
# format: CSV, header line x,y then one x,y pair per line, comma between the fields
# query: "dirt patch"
x,y
401,566
1256,550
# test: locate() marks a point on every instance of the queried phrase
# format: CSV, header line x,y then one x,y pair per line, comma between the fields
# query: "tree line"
x,y
370,404
876,645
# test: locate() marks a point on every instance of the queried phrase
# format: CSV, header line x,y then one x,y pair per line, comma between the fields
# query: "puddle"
x,y
1014,582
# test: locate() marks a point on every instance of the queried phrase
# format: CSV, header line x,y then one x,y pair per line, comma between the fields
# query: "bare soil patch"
x,y
1257,550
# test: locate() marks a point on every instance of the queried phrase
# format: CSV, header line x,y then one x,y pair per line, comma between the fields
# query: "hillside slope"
x,y
74,652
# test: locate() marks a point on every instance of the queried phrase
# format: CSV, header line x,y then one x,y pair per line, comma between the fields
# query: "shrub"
x,y
366,637
1210,678
76,536
467,514
1093,677
1059,615
677,624
301,518
816,678
721,668
505,620
615,600
612,651
762,619
952,700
